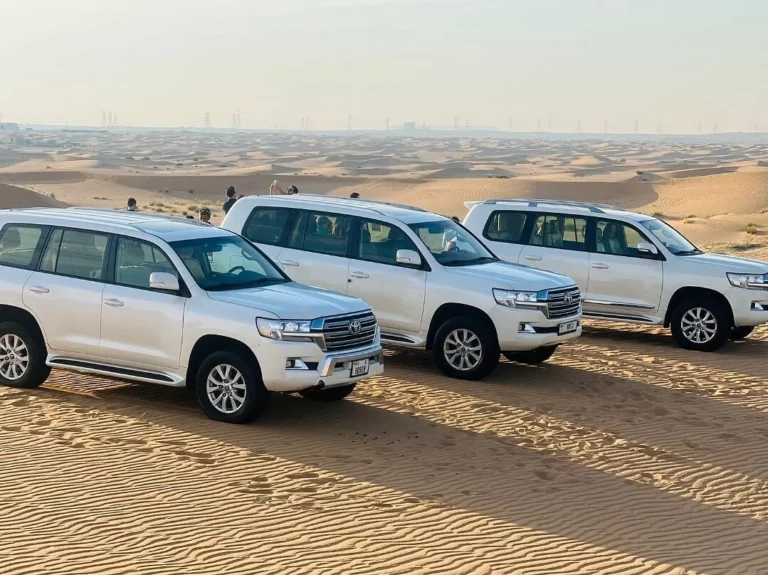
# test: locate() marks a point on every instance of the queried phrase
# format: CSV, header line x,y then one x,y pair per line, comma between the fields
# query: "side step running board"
x,y
114,371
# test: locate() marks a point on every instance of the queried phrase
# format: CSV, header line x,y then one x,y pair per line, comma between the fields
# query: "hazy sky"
x,y
167,62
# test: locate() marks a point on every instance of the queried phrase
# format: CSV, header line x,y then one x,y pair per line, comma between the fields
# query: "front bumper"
x,y
539,331
750,306
314,366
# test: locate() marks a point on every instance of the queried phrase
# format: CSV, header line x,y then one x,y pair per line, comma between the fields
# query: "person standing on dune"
x,y
132,205
231,199
276,190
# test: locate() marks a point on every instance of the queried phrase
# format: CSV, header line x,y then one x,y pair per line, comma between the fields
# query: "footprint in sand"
x,y
545,475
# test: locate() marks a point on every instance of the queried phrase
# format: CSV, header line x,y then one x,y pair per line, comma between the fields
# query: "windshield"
x,y
227,263
670,237
451,244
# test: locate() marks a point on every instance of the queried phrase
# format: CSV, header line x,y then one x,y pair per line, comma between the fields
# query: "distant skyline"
x,y
674,66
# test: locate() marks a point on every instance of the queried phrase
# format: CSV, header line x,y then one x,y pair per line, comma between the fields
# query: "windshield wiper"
x,y
693,252
245,285
472,262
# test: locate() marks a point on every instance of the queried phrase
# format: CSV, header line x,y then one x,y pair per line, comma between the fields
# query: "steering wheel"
x,y
241,268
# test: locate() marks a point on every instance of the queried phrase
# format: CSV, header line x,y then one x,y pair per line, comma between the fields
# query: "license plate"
x,y
359,368
567,327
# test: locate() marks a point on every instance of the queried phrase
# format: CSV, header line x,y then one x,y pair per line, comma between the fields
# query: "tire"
x,y
533,357
330,394
236,393
22,357
471,331
714,320
738,333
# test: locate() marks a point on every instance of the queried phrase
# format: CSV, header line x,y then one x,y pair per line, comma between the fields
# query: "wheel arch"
x,y
450,310
23,317
209,344
684,293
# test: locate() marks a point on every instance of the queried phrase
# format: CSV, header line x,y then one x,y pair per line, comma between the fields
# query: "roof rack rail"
x,y
363,201
534,202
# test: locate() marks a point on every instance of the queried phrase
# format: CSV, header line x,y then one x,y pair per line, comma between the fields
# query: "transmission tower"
x,y
538,124
349,122
239,124
605,127
207,120
110,119
103,117
637,124
578,126
714,128
114,120
387,123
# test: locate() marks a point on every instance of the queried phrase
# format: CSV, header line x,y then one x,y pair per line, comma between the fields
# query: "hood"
x,y
292,301
505,275
728,263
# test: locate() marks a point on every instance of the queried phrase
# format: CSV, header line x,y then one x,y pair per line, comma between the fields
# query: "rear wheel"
x,y
465,348
22,357
331,394
741,332
533,357
701,324
229,389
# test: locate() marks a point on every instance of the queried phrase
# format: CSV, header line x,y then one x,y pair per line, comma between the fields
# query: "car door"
x,y
139,325
622,281
65,292
504,233
317,250
268,227
557,243
394,291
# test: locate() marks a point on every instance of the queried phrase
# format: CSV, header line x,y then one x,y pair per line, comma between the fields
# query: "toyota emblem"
x,y
568,298
354,326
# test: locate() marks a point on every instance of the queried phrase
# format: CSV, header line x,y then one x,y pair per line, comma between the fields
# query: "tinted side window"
x,y
379,242
20,246
137,260
77,254
618,239
506,226
267,225
325,234
560,231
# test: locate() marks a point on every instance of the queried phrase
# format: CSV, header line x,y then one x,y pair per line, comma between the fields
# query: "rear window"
x,y
20,246
506,227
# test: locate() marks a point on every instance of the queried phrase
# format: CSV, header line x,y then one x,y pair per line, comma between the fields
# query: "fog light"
x,y
295,363
525,328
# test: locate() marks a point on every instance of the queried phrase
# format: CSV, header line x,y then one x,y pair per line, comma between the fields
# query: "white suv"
x,y
430,282
175,302
630,267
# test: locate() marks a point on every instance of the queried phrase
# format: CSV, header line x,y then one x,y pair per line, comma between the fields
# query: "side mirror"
x,y
647,248
408,258
164,281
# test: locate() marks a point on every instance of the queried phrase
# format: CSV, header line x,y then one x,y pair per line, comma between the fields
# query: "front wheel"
x,y
533,357
464,348
743,332
229,389
331,394
700,324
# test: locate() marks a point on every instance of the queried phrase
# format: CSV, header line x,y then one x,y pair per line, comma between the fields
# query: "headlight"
x,y
748,281
511,298
281,328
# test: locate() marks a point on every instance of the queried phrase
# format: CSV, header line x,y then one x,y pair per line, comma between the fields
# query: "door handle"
x,y
113,302
532,258
289,263
39,289
600,266
359,275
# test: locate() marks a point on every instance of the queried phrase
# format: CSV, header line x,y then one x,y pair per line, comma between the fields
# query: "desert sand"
x,y
622,455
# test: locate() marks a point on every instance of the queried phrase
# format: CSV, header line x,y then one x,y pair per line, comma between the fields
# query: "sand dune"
x,y
623,456
15,197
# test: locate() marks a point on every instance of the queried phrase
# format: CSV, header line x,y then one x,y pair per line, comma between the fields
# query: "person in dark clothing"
x,y
354,195
231,199
132,206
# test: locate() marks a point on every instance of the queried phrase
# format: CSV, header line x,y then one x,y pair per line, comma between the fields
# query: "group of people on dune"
x,y
232,196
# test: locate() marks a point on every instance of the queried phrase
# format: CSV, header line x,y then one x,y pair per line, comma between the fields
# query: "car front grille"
x,y
558,304
349,331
